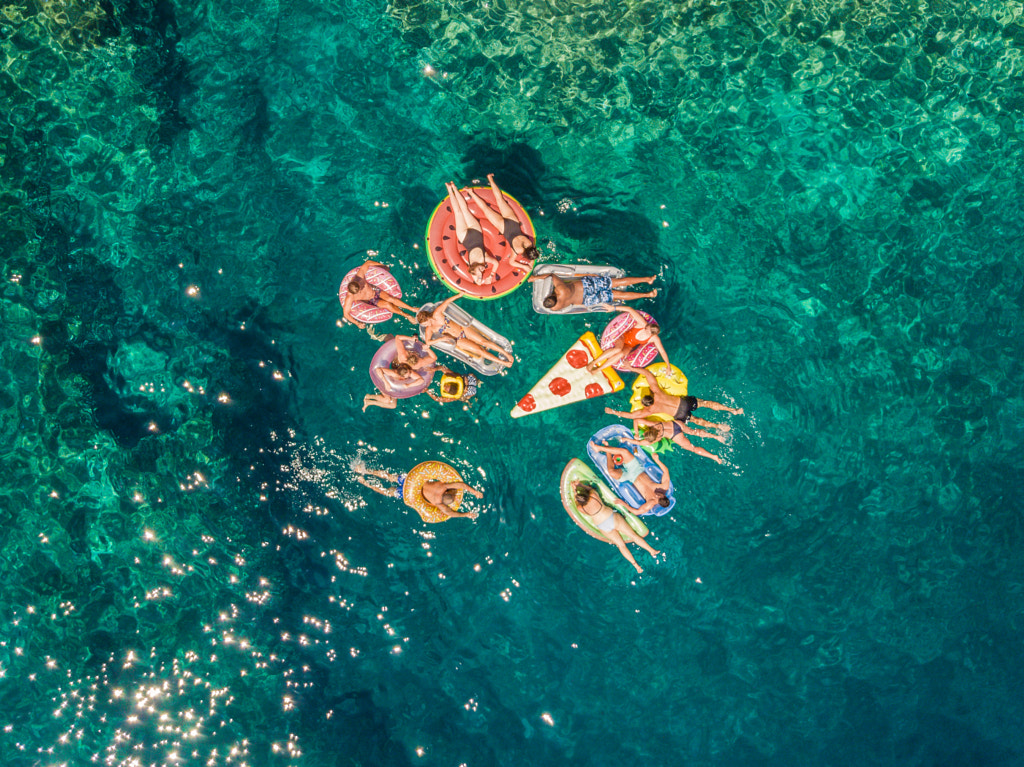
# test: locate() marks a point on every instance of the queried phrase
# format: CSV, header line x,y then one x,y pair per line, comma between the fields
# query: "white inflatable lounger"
x,y
542,287
462,317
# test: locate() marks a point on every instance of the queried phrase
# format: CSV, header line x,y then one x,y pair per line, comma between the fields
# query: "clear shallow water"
x,y
830,196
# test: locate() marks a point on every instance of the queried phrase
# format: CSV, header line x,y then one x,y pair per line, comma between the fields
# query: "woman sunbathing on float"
x,y
642,333
467,339
481,264
359,290
524,249
614,526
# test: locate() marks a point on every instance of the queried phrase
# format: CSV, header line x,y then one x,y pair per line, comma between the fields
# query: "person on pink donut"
x,y
642,333
359,290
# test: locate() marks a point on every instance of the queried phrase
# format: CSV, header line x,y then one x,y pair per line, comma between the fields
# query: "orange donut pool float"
x,y
448,258
421,474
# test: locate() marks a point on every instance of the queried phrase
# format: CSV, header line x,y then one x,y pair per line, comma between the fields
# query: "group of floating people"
x,y
482,245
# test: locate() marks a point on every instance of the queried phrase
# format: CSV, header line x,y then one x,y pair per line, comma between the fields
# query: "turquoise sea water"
x,y
830,194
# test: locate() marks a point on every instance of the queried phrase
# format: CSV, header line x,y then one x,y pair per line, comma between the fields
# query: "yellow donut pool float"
x,y
421,474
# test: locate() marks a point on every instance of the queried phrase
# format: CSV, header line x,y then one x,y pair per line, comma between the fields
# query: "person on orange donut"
x,y
481,264
434,492
642,332
504,219
361,290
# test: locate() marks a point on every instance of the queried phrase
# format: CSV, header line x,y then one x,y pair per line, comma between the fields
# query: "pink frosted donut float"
x,y
640,356
362,310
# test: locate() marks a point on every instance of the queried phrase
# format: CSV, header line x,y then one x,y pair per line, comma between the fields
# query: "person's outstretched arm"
x,y
666,479
652,380
463,486
452,514
633,415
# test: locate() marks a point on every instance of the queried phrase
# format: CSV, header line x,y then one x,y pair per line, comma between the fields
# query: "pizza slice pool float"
x,y
569,380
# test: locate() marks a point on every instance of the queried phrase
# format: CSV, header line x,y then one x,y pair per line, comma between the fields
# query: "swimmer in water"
x,y
434,492
612,525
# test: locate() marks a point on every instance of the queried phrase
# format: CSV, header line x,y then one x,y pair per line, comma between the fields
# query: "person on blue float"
x,y
612,524
594,291
467,339
642,333
623,466
360,290
434,492
481,265
504,219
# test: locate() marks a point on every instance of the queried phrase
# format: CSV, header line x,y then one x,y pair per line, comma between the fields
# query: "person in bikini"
x,y
653,431
435,492
612,525
467,339
481,265
659,402
623,466
591,290
642,333
359,290
504,219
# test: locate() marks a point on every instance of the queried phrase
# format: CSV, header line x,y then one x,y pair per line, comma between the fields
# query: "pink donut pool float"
x,y
640,356
363,311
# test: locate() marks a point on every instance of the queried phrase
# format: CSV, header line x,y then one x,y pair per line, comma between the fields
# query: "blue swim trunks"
x,y
400,490
596,290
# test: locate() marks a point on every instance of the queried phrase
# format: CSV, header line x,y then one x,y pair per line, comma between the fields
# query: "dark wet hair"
x,y
531,253
404,369
448,496
355,285
663,500
647,400
550,300
451,388
583,494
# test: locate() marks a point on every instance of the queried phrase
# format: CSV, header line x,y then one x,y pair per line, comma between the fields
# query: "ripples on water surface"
x,y
830,195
